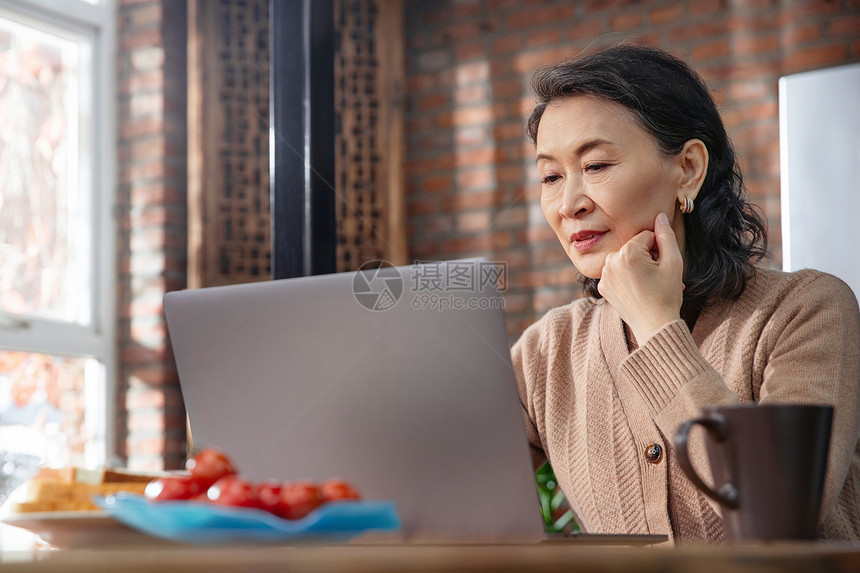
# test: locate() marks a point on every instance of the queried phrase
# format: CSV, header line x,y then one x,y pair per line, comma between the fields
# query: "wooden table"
x,y
794,557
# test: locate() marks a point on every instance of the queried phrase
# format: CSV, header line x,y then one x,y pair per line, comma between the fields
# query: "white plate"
x,y
81,529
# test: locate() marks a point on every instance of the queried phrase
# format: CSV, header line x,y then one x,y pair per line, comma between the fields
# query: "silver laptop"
x,y
398,380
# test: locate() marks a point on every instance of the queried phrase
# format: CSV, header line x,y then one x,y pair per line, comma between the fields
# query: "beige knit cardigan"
x,y
592,406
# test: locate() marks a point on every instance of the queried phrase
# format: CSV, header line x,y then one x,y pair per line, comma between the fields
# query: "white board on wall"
x,y
819,136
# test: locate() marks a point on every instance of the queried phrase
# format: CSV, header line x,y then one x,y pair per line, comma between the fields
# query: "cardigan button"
x,y
653,453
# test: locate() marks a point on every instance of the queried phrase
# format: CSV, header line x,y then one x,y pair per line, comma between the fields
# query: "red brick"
x,y
433,102
539,234
141,355
544,301
142,398
473,72
515,216
497,6
506,44
847,25
473,115
470,95
465,10
147,148
794,35
142,82
717,49
463,31
748,45
474,221
751,90
140,39
529,61
150,125
537,17
504,89
804,11
419,124
466,245
148,170
509,130
433,164
669,13
509,174
625,21
752,4
705,7
469,200
705,29
585,30
613,6
766,110
470,51
439,225
423,82
543,37
471,135
150,15
475,157
815,57
475,178
415,208
437,184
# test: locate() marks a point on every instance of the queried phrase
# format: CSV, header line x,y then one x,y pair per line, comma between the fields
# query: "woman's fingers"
x,y
642,281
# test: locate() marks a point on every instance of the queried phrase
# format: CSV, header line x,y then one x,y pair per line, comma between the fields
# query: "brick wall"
x,y
472,185
151,211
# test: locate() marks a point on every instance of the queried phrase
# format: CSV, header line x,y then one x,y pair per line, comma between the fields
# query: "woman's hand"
x,y
643,281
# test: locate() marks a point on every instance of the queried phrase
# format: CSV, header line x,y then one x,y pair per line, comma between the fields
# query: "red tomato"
x,y
337,489
269,494
210,465
173,487
299,499
235,491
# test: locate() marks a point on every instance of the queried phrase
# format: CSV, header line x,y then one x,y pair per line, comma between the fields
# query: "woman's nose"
x,y
573,200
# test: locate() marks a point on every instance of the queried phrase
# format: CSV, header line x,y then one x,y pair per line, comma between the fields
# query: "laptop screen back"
x,y
365,376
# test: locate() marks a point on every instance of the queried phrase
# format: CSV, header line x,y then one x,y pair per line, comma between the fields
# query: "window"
x,y
57,356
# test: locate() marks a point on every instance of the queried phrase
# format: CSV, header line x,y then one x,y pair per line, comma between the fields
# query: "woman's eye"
x,y
549,179
595,167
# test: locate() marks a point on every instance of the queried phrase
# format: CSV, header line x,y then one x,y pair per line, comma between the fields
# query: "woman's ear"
x,y
693,161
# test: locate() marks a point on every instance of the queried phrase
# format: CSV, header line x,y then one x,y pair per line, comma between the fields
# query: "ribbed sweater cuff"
x,y
666,362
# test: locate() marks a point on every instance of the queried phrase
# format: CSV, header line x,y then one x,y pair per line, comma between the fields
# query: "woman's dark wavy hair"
x,y
725,234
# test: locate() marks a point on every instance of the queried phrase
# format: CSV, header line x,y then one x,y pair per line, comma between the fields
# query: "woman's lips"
x,y
584,240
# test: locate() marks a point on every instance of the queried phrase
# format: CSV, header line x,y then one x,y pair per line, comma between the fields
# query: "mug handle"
x,y
717,427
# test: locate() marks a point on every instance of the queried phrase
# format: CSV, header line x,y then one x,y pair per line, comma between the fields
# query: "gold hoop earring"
x,y
686,205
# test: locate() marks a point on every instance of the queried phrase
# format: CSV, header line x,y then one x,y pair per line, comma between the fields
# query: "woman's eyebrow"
x,y
583,148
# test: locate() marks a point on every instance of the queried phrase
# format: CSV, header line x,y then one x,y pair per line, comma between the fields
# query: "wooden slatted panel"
x,y
368,98
229,226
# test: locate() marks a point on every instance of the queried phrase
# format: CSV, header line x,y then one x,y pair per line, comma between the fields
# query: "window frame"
x,y
97,340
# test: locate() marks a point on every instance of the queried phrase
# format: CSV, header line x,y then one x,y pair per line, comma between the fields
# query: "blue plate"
x,y
203,522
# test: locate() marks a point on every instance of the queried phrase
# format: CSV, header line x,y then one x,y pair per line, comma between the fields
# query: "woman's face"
x,y
603,179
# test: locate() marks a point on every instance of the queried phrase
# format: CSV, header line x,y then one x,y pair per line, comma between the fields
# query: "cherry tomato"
x,y
338,489
173,487
269,494
299,499
209,465
235,491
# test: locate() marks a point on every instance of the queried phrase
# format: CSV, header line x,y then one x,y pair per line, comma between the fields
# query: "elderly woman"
x,y
639,182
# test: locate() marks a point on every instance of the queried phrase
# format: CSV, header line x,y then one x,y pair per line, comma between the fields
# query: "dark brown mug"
x,y
768,463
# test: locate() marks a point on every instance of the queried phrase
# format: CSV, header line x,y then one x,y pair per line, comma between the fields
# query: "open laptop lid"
x,y
398,380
